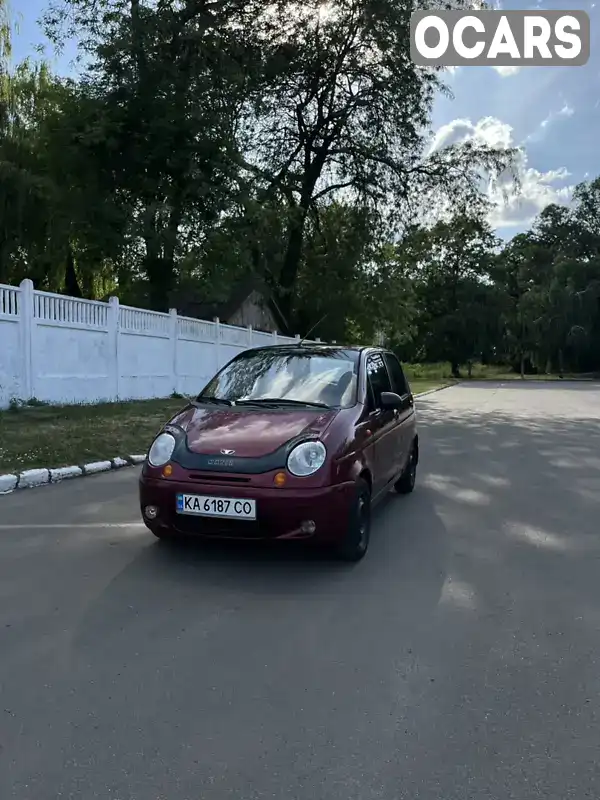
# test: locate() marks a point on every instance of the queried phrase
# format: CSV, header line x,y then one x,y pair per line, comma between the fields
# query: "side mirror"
x,y
391,400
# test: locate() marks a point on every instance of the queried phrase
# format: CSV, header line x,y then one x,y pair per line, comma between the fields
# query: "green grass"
x,y
442,371
419,385
480,372
59,436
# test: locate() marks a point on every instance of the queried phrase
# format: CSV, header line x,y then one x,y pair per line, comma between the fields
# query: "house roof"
x,y
192,307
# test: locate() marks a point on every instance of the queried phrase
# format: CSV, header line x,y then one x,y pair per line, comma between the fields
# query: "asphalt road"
x,y
460,660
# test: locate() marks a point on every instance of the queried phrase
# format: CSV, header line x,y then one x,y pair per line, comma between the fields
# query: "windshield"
x,y
324,378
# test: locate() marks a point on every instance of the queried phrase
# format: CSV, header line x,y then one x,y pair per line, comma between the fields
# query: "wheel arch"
x,y
366,476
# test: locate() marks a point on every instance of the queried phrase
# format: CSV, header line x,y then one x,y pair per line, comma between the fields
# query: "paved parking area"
x,y
460,660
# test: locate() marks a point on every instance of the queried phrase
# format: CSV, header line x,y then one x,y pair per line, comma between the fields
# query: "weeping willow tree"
x,y
26,191
5,39
55,224
5,53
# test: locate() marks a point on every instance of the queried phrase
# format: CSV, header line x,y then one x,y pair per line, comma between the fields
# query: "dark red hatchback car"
x,y
286,442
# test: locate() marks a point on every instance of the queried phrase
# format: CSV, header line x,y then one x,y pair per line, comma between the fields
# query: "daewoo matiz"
x,y
286,442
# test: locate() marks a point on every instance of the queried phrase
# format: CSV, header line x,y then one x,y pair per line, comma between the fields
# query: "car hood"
x,y
248,432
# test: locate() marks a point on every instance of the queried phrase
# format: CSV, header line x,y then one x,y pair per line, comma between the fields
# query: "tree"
x,y
455,298
60,220
344,115
550,277
168,78
514,272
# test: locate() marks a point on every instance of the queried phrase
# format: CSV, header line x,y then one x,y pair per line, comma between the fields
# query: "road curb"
x,y
438,389
32,478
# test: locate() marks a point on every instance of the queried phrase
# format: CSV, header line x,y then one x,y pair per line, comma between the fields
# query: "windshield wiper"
x,y
279,401
216,400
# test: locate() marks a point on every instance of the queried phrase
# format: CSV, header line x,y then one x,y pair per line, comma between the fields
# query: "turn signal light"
x,y
167,471
280,479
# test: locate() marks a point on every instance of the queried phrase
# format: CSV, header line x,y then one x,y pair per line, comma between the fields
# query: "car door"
x,y
381,421
404,418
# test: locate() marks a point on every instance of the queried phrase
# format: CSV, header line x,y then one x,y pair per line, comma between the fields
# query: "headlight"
x,y
162,449
306,458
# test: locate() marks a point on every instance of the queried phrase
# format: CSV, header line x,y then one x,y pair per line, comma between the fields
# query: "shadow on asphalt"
x,y
521,495
192,580
505,513
286,567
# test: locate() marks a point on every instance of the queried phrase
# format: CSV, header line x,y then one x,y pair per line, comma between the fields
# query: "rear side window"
x,y
378,379
399,382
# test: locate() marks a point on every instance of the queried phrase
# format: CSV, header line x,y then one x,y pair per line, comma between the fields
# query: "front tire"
x,y
358,534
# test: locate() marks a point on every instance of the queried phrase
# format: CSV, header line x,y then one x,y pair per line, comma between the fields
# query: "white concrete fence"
x,y
61,349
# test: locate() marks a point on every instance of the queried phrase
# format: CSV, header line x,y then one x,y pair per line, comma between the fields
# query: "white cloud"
x,y
507,71
488,130
537,189
539,133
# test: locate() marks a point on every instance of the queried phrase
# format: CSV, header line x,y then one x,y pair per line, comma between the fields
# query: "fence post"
x,y
173,337
218,342
249,335
275,337
27,322
113,348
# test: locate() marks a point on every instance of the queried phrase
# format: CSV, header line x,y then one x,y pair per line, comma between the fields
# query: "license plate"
x,y
224,507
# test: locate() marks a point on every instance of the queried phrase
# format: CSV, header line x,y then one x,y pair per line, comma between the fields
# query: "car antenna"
x,y
313,328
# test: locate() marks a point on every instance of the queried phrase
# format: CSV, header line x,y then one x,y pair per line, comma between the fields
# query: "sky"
x,y
552,113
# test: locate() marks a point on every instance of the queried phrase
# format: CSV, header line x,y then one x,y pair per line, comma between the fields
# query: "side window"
x,y
378,378
371,404
399,382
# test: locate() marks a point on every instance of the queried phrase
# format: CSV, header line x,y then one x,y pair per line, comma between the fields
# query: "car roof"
x,y
299,347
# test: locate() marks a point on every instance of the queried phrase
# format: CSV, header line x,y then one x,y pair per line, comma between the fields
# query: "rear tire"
x,y
358,534
406,482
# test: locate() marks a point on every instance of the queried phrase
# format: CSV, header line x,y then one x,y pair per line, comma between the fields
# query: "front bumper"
x,y
280,512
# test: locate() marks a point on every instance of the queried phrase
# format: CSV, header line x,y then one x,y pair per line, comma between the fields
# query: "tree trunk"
x,y
522,365
455,368
158,269
291,265
161,282
561,363
72,287
293,255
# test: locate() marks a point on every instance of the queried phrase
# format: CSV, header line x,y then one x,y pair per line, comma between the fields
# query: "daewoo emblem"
x,y
227,452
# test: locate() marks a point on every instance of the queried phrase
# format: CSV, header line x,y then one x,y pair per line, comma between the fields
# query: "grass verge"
x,y
419,385
441,372
59,436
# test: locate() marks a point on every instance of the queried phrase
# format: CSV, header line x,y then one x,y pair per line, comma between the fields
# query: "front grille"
x,y
216,478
